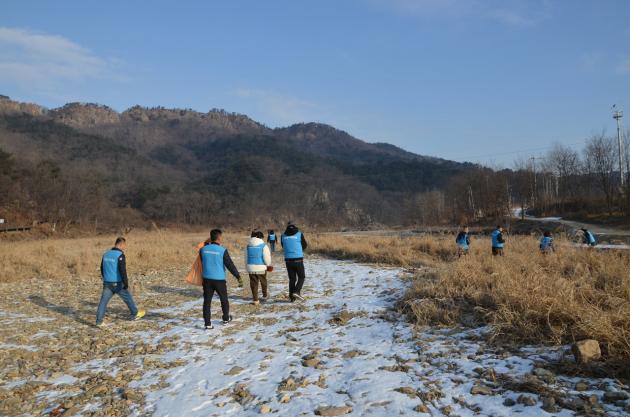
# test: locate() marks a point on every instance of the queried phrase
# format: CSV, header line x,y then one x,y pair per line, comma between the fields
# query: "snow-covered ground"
x,y
345,351
346,348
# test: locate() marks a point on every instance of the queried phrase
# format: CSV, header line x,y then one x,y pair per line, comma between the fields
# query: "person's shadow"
x,y
67,311
186,292
121,312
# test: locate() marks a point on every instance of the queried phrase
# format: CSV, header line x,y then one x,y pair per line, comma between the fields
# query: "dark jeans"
x,y
296,276
109,289
273,246
209,287
253,284
497,251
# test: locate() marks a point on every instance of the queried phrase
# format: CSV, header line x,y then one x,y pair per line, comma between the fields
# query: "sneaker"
x,y
255,302
227,321
298,296
210,327
140,314
263,299
101,325
292,297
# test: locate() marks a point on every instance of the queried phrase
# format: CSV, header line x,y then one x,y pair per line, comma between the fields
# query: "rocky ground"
x,y
345,351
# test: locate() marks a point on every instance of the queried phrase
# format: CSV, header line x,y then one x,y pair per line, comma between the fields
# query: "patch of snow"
x,y
385,355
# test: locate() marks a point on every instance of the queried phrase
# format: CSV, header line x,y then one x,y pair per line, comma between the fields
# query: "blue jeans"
x,y
109,289
273,246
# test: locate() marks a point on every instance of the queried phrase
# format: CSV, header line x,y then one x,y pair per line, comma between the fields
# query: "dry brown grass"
x,y
565,296
407,252
147,252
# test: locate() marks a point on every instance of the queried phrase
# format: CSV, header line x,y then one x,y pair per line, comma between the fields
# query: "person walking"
x,y
258,259
294,244
115,281
272,239
546,243
463,242
588,238
214,260
497,241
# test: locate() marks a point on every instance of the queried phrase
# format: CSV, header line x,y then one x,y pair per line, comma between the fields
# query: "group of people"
x,y
215,261
546,244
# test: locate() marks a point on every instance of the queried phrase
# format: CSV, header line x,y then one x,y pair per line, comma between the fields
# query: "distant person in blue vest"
x,y
272,239
293,243
498,242
214,260
588,238
258,259
546,243
463,241
114,273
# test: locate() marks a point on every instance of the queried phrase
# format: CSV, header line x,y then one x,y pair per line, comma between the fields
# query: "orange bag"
x,y
194,276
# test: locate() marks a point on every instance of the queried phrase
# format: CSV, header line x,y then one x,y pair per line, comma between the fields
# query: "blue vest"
x,y
212,262
590,238
272,237
546,242
495,239
292,246
110,266
255,255
462,242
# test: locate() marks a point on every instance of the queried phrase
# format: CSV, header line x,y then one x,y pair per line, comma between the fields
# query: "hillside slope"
x,y
184,166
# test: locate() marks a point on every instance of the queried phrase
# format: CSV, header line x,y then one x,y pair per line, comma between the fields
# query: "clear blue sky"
x,y
461,79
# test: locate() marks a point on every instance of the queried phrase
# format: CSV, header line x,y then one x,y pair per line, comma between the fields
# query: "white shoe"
x,y
298,296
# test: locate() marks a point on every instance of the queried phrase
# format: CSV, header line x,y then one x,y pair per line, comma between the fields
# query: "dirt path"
x,y
345,351
575,225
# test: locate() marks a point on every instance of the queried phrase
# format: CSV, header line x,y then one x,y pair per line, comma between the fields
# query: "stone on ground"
x,y
586,351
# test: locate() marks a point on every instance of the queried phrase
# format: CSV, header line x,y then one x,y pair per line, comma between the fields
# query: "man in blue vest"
x,y
271,239
463,241
588,237
546,243
497,241
293,243
114,274
214,260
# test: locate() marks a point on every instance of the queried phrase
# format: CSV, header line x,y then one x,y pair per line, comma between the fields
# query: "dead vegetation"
x,y
147,252
391,250
527,297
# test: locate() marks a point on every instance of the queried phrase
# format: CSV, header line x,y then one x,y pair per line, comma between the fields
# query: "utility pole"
x,y
618,115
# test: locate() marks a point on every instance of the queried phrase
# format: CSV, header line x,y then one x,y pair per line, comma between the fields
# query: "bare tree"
x,y
599,156
564,163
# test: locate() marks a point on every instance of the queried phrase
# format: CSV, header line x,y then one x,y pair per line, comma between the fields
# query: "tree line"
x,y
565,181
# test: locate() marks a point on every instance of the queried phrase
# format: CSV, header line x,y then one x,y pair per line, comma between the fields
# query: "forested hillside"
x,y
86,164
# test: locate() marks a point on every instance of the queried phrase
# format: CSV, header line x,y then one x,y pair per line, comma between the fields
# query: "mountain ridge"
x,y
157,161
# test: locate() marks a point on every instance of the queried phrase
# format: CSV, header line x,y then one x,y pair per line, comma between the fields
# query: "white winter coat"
x,y
258,269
